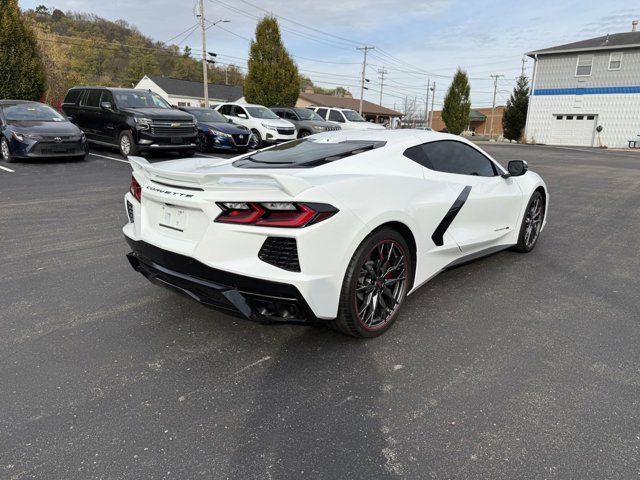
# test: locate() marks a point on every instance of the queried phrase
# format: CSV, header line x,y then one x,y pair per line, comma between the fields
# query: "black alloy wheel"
x,y
381,284
202,142
376,283
531,224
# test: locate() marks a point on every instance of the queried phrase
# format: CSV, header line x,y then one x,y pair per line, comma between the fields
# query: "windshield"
x,y
306,114
353,116
32,112
305,153
208,116
139,99
261,112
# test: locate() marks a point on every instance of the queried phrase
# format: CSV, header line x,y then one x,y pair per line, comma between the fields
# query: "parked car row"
x,y
136,121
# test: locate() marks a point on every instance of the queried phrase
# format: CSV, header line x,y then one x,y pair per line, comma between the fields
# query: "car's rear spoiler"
x,y
289,184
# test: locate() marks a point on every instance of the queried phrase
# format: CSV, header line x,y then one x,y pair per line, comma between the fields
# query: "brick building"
x,y
479,121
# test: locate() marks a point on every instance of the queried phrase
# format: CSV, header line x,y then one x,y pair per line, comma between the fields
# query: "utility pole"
x,y
362,79
433,101
493,107
205,67
524,60
382,71
426,104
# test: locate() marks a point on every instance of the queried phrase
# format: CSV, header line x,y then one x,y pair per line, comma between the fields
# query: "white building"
x,y
580,86
187,93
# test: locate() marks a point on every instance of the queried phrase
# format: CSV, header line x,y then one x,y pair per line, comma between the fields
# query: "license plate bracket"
x,y
176,140
173,218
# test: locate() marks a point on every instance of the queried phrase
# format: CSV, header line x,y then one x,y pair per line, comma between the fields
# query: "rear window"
x,y
72,96
305,154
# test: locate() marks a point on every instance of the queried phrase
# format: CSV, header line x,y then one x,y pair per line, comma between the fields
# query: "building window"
x,y
583,69
569,117
558,117
615,60
591,117
580,117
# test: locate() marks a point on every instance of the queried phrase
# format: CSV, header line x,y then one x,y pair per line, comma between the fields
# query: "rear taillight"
x,y
135,189
275,214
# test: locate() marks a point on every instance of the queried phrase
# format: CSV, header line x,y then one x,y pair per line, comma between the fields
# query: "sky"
x,y
414,41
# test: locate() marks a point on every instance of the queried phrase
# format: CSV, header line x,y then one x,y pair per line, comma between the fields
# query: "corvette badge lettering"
x,y
169,192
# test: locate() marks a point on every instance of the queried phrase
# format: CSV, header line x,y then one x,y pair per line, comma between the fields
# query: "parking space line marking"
x,y
109,158
7,169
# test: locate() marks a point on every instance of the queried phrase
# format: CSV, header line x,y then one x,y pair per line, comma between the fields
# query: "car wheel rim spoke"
x,y
533,222
381,284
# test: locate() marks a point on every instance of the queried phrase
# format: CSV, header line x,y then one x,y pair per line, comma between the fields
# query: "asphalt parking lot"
x,y
514,366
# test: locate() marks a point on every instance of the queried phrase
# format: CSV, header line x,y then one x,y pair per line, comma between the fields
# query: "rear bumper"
x,y
255,299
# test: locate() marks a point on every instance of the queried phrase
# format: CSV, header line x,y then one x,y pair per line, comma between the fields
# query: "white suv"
x,y
348,119
265,126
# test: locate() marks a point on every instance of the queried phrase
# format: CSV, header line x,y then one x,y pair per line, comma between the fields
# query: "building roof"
x,y
368,108
189,88
477,116
606,42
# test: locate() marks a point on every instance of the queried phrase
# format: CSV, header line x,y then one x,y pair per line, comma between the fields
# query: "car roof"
x,y
8,102
403,136
113,89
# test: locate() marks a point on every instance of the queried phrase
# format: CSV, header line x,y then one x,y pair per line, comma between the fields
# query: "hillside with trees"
x,y
83,49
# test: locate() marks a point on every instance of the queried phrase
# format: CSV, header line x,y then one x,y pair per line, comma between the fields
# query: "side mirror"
x,y
229,120
106,106
516,168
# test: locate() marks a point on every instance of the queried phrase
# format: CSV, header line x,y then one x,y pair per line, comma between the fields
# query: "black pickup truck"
x,y
132,120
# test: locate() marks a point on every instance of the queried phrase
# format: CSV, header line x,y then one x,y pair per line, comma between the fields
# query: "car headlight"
x,y
18,136
318,128
218,133
270,127
143,123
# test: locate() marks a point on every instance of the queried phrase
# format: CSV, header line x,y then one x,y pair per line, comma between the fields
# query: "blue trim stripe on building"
x,y
586,90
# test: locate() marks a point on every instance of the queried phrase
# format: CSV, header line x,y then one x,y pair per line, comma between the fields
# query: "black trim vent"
x,y
280,252
130,211
438,234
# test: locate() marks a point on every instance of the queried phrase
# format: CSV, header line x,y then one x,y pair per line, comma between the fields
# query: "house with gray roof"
x,y
580,86
187,93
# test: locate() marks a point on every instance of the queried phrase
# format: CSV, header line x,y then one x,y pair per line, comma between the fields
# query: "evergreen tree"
x,y
515,114
21,72
457,104
273,77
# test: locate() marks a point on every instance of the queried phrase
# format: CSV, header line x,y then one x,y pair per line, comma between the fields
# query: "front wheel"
x,y
202,142
127,144
5,150
256,141
531,224
375,285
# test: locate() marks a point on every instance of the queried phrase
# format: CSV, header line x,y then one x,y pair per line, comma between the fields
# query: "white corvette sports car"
x,y
337,227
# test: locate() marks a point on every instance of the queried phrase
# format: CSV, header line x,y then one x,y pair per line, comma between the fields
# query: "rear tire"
x,y
5,150
126,144
304,133
375,285
531,224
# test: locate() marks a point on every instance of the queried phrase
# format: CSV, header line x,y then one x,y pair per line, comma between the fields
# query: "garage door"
x,y
573,130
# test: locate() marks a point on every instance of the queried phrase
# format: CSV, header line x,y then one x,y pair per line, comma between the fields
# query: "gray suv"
x,y
307,121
